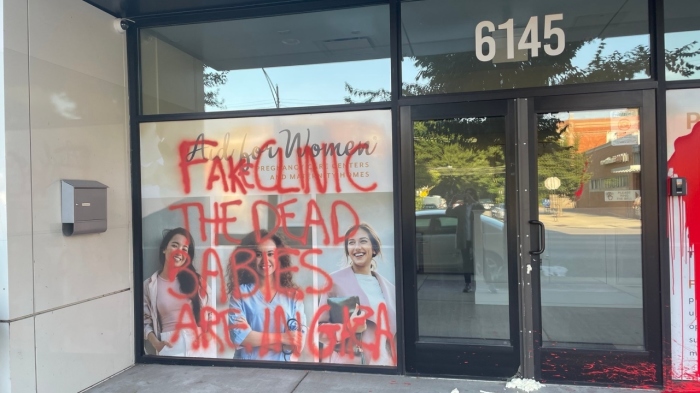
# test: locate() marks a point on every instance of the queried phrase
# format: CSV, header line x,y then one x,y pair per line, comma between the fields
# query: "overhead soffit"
x,y
675,12
136,8
310,38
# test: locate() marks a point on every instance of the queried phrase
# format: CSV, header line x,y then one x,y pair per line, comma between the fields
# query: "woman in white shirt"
x,y
168,291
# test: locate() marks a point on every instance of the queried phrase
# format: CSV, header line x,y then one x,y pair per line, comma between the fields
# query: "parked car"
x,y
434,202
435,242
437,252
487,203
499,212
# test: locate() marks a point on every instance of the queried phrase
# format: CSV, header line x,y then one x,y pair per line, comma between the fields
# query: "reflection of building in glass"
x,y
615,180
611,146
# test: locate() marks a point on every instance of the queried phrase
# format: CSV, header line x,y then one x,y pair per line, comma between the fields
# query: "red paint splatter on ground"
x,y
682,387
639,374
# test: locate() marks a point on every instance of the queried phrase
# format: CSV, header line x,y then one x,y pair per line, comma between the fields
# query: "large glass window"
x,y
682,39
319,58
458,46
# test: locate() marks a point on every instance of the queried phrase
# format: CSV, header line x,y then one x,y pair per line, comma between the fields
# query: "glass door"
x,y
546,192
459,294
598,275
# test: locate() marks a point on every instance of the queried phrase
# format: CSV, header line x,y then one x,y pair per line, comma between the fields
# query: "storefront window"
x,y
682,25
263,237
320,58
456,46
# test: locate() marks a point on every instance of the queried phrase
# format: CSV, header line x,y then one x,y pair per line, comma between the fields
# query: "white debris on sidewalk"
x,y
455,390
526,385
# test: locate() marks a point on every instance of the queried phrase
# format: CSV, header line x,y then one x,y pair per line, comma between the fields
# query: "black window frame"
x,y
657,83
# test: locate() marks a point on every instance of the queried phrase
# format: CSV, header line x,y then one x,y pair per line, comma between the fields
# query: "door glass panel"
x,y
589,177
462,276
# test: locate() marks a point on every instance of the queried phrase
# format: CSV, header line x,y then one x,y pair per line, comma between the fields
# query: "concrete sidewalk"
x,y
150,378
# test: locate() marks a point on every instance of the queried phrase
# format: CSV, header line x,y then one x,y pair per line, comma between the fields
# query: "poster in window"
x,y
270,238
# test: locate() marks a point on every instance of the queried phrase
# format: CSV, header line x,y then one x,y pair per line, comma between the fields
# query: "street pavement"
x,y
151,378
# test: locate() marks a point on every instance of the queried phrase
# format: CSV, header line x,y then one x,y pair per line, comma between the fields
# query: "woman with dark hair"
x,y
262,293
360,278
175,285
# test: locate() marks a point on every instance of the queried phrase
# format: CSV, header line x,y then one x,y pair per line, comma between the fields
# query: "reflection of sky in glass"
x,y
306,85
324,84
583,57
675,41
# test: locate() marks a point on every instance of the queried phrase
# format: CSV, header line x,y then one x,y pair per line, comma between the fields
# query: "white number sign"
x,y
529,41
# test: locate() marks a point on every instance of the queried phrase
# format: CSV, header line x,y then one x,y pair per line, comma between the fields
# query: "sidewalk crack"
x,y
299,383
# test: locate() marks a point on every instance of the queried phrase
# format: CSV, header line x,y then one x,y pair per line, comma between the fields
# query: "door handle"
x,y
542,245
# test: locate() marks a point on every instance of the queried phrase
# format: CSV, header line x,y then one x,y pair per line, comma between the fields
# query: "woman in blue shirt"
x,y
267,309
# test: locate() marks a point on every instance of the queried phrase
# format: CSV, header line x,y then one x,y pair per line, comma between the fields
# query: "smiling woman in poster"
x,y
360,279
161,309
264,291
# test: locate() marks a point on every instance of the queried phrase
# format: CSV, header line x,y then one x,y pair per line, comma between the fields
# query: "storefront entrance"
x,y
525,251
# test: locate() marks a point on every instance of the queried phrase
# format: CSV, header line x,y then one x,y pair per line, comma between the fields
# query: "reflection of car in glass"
x,y
434,202
435,245
435,242
499,211
490,250
486,203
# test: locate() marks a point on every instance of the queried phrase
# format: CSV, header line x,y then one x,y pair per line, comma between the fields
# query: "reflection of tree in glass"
x,y
451,162
559,156
212,80
479,143
455,72
460,72
677,60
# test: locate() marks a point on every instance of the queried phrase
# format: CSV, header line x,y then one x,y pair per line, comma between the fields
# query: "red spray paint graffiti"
x,y
313,174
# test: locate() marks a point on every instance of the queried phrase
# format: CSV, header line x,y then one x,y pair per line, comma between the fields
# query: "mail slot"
x,y
83,207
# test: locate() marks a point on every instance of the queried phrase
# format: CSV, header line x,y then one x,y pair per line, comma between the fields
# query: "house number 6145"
x,y
529,40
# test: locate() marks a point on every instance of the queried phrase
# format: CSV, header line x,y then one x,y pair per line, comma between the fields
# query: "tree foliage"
x,y
212,80
564,162
453,154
